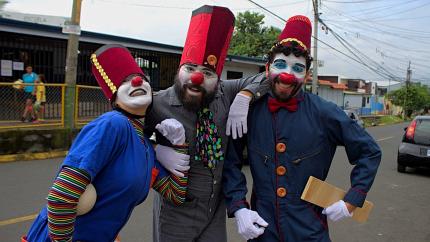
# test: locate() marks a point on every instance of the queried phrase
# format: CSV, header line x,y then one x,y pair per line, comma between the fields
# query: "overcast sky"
x,y
389,32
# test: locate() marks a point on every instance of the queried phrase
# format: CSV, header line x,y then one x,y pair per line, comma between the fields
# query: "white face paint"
x,y
290,64
210,79
134,98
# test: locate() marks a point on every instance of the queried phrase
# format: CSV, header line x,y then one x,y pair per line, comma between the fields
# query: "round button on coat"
x,y
281,147
281,192
281,170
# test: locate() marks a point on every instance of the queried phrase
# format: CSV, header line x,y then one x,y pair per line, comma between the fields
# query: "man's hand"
x,y
172,130
337,211
237,117
249,224
172,160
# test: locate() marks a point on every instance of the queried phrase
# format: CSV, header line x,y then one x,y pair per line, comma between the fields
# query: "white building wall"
x,y
332,95
247,69
355,101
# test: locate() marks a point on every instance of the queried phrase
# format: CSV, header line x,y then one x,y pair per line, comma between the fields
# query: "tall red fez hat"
x,y
298,28
208,37
111,65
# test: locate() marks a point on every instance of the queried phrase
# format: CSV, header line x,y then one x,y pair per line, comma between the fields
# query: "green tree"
x,y
250,37
413,98
2,4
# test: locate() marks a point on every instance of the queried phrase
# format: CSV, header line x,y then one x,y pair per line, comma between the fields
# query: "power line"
x,y
385,73
359,1
191,8
267,10
382,8
380,20
376,29
400,59
356,52
366,21
375,41
147,5
407,10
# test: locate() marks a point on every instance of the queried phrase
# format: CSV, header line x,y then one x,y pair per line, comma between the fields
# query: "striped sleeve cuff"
x,y
172,188
63,199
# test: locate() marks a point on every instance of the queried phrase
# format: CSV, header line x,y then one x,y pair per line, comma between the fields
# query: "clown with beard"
x,y
293,135
112,157
201,102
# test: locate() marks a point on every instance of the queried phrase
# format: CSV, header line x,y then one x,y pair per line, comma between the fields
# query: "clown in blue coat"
x,y
294,135
112,155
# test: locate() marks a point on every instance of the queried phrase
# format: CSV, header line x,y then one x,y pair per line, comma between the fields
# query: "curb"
x,y
32,156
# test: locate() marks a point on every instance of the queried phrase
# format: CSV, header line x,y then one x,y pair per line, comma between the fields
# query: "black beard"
x,y
279,96
193,103
284,97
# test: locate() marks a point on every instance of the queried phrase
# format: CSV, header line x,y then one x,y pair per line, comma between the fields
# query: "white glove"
x,y
172,130
238,115
172,160
249,224
337,211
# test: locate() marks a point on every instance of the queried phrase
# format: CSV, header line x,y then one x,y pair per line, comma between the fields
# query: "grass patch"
x,y
383,120
390,119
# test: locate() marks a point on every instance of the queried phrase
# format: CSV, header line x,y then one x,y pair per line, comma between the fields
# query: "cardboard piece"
x,y
324,194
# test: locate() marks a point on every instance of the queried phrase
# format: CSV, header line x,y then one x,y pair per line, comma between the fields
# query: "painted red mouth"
x,y
138,92
287,78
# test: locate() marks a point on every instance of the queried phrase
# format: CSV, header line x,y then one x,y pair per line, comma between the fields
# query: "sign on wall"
x,y
6,68
18,66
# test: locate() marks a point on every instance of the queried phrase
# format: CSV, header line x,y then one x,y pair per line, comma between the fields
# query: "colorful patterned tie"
x,y
208,141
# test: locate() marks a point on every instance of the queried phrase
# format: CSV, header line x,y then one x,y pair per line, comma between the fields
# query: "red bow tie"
x,y
275,105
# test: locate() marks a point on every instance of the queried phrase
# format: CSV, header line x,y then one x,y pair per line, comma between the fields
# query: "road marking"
x,y
18,220
382,139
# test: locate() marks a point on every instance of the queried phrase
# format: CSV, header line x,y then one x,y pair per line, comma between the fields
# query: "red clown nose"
x,y
136,81
286,78
197,78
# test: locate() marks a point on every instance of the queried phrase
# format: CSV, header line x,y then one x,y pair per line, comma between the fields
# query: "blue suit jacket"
x,y
310,135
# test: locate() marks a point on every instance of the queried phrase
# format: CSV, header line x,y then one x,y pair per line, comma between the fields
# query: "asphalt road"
x,y
401,211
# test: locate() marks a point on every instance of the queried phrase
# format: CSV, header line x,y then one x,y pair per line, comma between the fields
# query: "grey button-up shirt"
x,y
202,181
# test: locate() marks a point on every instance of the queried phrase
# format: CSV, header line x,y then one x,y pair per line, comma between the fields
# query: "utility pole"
x,y
73,30
315,54
408,74
408,80
389,85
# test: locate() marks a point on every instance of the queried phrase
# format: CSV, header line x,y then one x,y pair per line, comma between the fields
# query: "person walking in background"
x,y
28,78
40,93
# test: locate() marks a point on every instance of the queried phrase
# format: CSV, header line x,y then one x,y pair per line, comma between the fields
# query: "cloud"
x,y
168,25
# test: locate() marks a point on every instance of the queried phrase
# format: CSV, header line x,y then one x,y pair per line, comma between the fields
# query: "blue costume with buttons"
x,y
286,148
121,168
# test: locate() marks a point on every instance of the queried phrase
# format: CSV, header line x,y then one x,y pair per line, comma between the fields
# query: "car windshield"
x,y
422,132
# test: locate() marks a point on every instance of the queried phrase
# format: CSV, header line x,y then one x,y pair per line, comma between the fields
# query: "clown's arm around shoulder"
x,y
255,86
171,187
244,91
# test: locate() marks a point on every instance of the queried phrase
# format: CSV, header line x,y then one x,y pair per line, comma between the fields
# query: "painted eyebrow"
x,y
278,60
207,69
189,64
301,65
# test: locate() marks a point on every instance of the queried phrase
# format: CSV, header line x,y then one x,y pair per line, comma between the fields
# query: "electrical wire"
x,y
384,73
